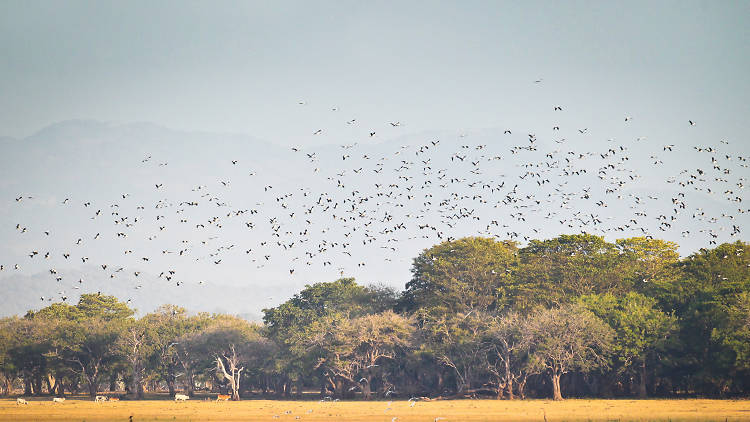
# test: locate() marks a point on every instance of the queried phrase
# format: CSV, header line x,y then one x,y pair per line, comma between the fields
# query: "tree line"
x,y
570,316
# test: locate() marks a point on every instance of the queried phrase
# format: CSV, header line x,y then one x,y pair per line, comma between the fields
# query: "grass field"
x,y
449,410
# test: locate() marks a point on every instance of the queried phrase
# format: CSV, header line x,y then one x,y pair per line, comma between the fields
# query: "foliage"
x,y
462,275
566,339
572,313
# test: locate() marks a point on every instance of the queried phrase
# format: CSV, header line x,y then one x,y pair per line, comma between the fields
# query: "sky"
x,y
242,66
102,101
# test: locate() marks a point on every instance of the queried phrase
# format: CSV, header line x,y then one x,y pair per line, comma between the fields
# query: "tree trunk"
x,y
522,387
508,379
190,383
26,383
113,383
556,395
299,387
51,384
233,374
499,392
93,386
338,390
38,384
642,386
137,380
463,384
7,385
171,387
366,390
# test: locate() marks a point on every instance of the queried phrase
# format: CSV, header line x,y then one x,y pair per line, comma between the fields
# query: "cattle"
x,y
58,399
181,397
113,399
21,401
99,399
224,397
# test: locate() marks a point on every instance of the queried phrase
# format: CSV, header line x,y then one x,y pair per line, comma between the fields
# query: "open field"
x,y
449,410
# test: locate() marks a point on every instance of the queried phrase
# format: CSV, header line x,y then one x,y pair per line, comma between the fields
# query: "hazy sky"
x,y
319,75
243,66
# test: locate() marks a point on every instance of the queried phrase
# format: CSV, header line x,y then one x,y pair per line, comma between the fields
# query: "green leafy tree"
x,y
10,340
164,327
135,346
87,338
83,335
641,329
557,270
464,275
293,323
736,336
648,263
708,288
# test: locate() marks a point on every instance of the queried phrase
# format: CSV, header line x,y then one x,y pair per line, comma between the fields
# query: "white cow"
x,y
181,397
100,399
21,401
58,399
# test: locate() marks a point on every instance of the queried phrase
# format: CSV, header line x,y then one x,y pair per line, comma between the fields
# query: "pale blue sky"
x,y
242,66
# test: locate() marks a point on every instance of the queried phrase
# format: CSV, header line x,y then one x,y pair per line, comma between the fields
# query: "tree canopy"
x,y
573,315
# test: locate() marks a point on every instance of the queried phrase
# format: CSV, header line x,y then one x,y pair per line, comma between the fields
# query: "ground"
x,y
80,409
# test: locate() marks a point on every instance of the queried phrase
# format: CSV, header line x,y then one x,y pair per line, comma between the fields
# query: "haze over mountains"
x,y
244,223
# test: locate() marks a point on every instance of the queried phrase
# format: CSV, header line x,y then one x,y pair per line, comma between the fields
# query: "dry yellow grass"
x,y
450,410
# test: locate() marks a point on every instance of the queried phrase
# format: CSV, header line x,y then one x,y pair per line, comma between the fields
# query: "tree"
x,y
647,263
702,296
84,335
567,338
10,339
640,329
135,347
106,308
165,326
737,336
354,350
507,347
456,341
557,270
472,273
292,324
88,346
231,344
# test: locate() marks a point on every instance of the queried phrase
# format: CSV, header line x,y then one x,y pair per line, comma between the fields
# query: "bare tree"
x,y
228,364
133,342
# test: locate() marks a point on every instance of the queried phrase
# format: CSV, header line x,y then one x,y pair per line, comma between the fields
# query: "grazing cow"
x,y
21,401
58,399
100,399
114,399
224,397
181,397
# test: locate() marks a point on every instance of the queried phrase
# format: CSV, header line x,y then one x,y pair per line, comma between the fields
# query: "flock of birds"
x,y
356,206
